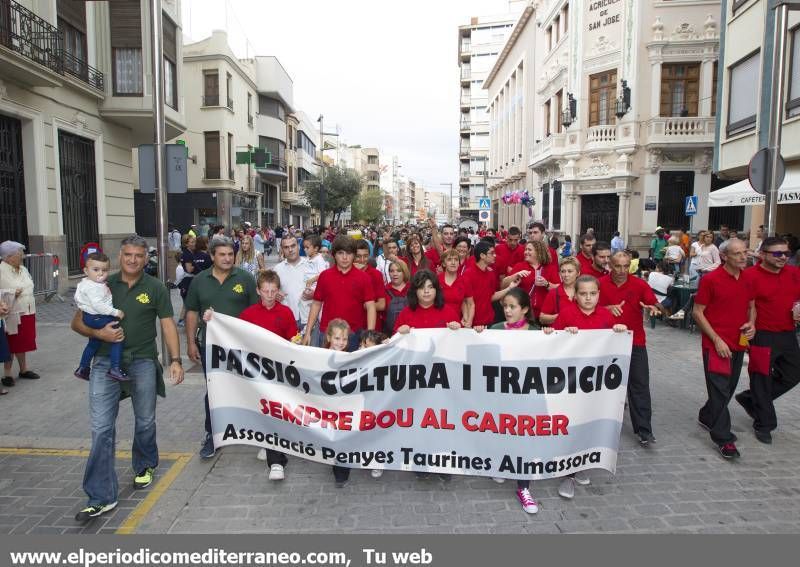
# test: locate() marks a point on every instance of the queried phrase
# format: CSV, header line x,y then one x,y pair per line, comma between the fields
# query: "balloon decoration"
x,y
519,198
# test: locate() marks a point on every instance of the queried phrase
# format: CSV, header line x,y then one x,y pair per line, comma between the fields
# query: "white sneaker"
x,y
276,472
526,499
567,488
498,480
262,455
581,478
680,314
376,473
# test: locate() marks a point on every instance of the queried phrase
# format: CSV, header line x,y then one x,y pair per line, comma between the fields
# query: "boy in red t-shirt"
x,y
273,316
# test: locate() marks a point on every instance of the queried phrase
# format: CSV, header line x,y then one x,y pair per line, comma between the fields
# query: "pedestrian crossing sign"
x,y
691,205
484,203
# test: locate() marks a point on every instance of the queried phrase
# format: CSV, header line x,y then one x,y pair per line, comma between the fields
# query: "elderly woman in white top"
x,y
20,325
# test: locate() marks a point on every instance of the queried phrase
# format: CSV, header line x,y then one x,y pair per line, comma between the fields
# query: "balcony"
x,y
230,103
601,137
465,48
276,169
81,70
250,120
466,74
466,126
463,152
464,178
691,131
550,148
466,100
25,38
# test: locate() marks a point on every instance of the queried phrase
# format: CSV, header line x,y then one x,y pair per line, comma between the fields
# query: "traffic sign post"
x,y
485,216
484,203
690,209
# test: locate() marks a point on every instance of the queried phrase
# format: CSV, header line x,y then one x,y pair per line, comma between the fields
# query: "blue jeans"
x,y
100,477
98,322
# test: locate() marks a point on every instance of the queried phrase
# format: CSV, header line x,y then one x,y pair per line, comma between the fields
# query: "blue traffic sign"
x,y
691,205
484,203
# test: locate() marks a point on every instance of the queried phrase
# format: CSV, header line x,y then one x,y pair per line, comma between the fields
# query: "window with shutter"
x,y
793,104
602,94
72,25
558,109
125,21
212,155
743,94
170,58
680,89
211,88
714,89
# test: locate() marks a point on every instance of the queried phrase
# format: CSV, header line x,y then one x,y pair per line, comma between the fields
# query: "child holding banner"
x,y
586,316
275,317
517,310
337,337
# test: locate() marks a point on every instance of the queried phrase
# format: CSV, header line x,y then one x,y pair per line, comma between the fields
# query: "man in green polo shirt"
x,y
226,289
144,300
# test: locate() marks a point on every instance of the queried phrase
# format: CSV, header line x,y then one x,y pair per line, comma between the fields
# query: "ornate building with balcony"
x,y
479,43
624,94
75,98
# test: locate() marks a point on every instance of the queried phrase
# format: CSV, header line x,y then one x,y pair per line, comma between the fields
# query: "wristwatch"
x,y
177,359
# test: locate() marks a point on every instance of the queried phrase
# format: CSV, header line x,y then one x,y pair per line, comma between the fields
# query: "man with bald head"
x,y
625,296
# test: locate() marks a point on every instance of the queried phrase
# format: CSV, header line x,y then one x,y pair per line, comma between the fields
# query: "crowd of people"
x,y
352,288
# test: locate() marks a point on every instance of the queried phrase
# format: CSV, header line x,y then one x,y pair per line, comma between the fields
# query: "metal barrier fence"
x,y
44,271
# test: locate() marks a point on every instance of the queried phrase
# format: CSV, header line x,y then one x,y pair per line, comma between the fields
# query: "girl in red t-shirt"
x,y
426,308
456,293
587,315
538,274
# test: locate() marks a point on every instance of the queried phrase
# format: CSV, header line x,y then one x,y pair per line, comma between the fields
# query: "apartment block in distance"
x,y
479,43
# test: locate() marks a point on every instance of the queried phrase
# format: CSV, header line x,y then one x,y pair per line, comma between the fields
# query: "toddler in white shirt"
x,y
93,298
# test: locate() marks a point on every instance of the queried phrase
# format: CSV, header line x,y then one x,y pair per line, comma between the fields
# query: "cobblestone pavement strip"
x,y
679,485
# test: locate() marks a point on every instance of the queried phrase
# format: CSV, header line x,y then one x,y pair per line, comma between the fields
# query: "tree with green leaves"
x,y
369,206
342,186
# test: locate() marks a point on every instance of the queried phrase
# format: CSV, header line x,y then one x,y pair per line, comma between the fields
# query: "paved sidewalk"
x,y
680,485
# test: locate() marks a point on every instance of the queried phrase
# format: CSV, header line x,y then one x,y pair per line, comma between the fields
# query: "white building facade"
x,y
75,97
623,122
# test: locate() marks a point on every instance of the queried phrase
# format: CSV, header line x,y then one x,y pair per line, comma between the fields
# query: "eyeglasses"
x,y
779,253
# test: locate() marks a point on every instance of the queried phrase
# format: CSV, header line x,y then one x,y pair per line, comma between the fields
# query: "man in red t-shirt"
x,y
722,312
440,243
625,296
361,261
584,255
537,231
601,261
509,252
776,293
346,293
483,281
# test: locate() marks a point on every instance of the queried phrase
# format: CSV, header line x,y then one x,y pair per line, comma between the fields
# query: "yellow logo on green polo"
x,y
143,298
238,288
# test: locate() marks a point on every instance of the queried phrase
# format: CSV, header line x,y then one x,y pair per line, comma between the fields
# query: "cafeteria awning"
x,y
742,193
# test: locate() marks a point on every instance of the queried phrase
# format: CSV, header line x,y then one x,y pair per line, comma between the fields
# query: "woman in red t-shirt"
x,y
456,293
562,297
539,274
396,294
426,308
415,255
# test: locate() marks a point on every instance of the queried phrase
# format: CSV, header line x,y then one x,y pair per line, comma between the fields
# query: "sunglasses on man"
x,y
779,253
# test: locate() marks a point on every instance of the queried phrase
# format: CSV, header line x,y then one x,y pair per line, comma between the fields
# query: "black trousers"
x,y
714,414
784,375
276,458
341,474
639,392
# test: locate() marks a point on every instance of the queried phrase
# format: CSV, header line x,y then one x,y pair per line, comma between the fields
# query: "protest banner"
x,y
496,403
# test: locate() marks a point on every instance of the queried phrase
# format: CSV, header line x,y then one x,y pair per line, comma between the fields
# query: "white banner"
x,y
513,404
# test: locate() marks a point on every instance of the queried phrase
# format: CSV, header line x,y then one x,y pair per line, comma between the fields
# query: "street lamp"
x,y
322,135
